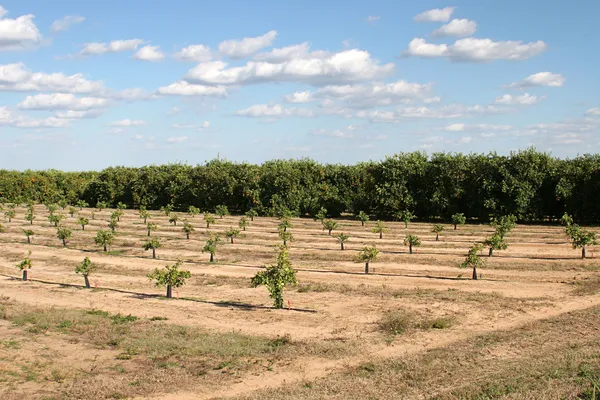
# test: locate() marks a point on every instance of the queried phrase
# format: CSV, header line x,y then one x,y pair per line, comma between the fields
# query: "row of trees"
x,y
531,185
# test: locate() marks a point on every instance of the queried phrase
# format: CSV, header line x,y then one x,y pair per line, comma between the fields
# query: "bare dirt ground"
x,y
332,324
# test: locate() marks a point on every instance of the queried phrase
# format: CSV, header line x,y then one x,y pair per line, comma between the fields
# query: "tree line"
x,y
531,185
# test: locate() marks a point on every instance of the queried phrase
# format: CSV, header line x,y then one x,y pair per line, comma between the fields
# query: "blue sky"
x,y
86,85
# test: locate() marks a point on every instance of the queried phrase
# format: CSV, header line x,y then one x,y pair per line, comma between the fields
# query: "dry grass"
x,y
397,322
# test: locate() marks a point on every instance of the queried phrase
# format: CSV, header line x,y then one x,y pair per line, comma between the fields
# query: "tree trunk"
x,y
491,252
437,237
252,218
169,292
207,225
175,223
410,248
330,232
153,253
244,228
454,226
232,240
105,247
342,245
367,267
187,235
405,224
148,232
475,273
31,222
362,223
285,228
284,243
584,251
87,281
64,243
25,274
28,240
145,221
380,235
212,258
83,227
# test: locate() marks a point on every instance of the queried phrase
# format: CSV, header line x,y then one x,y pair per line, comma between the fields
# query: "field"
x,y
417,326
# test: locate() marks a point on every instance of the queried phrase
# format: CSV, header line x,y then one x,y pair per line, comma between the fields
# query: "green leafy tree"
x,y
187,228
55,219
25,265
581,238
167,210
251,213
121,206
211,245
504,224
330,225
473,260
276,277
72,211
117,214
566,219
63,233
85,269
221,211
321,215
173,219
284,225
28,233
243,223
171,277
100,205
232,233
342,238
458,219
150,226
379,228
62,203
193,211
81,204
113,224
10,214
405,216
144,214
30,217
363,217
412,241
83,222
495,242
437,229
286,237
209,219
104,239
52,208
367,255
153,243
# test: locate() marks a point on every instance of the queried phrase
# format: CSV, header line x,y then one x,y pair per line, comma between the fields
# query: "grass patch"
x,y
397,322
587,286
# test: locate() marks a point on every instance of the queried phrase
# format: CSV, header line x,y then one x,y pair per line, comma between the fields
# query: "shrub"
x,y
458,219
342,238
153,243
104,238
85,269
276,277
171,277
367,255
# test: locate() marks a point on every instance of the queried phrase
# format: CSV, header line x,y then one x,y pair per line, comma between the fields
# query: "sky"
x,y
89,84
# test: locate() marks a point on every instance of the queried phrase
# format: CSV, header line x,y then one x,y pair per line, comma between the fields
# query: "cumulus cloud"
x,y
449,111
183,88
435,15
204,125
62,101
274,111
19,33
299,97
128,123
245,47
289,53
476,50
459,127
12,119
194,53
116,46
593,112
178,139
65,23
149,53
373,18
541,79
336,133
524,99
72,114
346,66
456,27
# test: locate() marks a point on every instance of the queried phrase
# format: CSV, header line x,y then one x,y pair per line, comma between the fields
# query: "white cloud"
x,y
336,133
12,119
274,111
373,18
456,27
346,66
116,46
14,77
435,15
568,138
19,33
524,99
299,97
245,47
476,127
541,79
289,53
149,53
173,111
183,88
194,53
128,123
476,50
66,22
204,125
179,139
62,101
71,114
593,112
449,111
